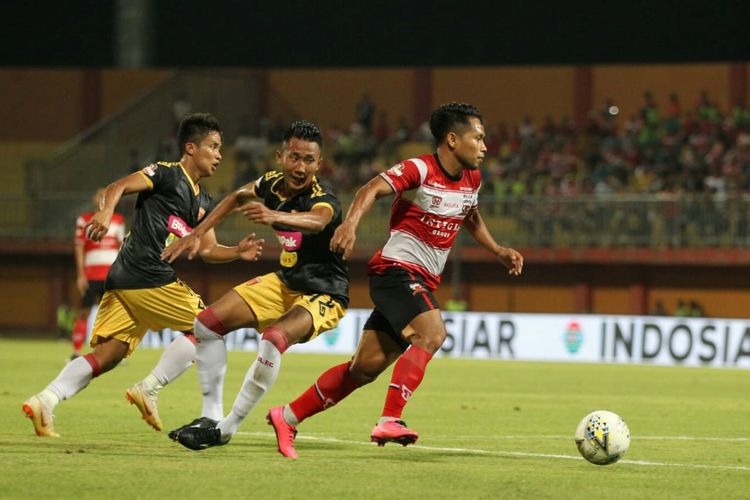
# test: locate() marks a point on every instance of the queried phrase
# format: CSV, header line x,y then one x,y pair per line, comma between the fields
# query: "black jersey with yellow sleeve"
x,y
307,263
167,211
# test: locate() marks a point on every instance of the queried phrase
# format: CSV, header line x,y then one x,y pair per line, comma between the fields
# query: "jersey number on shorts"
x,y
322,305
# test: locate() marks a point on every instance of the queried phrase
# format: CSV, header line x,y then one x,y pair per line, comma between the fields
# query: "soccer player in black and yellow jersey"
x,y
142,291
305,297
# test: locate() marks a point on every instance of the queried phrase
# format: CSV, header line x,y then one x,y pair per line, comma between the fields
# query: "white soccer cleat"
x,y
146,404
40,416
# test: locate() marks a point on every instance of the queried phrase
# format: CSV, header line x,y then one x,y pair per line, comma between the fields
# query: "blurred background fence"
x,y
614,221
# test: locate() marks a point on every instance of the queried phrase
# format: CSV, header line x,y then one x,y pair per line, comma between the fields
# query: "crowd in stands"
x,y
669,150
696,149
660,149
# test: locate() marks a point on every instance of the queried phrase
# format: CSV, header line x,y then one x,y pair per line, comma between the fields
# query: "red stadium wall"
x,y
626,84
508,94
504,94
56,104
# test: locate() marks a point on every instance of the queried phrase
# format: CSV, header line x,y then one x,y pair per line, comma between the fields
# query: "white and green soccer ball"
x,y
602,437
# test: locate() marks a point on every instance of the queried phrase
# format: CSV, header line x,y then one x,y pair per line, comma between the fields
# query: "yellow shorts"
x,y
127,314
269,298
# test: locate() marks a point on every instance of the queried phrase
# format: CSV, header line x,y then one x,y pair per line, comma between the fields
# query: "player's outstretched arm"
x,y
313,221
346,234
98,226
192,242
212,252
510,258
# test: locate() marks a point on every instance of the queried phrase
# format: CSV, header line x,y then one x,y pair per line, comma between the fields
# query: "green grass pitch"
x,y
488,429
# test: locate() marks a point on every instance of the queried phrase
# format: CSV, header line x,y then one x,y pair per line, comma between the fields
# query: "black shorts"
x,y
93,294
399,297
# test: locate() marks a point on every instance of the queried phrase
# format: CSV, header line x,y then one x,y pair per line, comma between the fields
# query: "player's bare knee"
x,y
109,354
430,341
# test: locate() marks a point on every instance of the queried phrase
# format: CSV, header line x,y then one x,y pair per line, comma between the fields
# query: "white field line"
x,y
476,451
634,438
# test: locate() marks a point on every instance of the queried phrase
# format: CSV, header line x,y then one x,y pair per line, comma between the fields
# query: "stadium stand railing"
x,y
581,222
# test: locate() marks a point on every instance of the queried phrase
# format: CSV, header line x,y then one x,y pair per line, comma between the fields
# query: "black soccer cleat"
x,y
200,438
200,422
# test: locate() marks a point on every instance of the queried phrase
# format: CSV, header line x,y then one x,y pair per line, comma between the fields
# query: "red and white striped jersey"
x,y
98,256
426,214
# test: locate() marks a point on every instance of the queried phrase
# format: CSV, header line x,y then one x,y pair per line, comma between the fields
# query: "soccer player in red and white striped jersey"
x,y
93,260
435,196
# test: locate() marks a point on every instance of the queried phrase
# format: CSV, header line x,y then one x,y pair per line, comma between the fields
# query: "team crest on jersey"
x,y
416,288
150,170
201,212
436,200
288,259
397,169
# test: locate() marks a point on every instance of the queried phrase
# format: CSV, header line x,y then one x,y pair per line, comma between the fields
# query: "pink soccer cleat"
x,y
285,433
393,431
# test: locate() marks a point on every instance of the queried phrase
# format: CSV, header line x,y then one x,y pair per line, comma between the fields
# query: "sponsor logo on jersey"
x,y
150,170
416,288
465,209
436,184
436,200
201,212
397,169
178,227
440,224
289,240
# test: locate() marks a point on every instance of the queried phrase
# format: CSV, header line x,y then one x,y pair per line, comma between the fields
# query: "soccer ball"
x,y
602,437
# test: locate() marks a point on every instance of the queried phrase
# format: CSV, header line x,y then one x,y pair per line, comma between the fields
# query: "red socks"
x,y
78,335
336,384
331,387
96,370
407,375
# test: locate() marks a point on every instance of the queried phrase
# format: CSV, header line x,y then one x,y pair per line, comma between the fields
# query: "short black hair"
x,y
450,118
195,127
304,130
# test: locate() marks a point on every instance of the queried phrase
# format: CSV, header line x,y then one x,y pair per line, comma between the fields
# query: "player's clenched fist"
x,y
342,241
96,229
